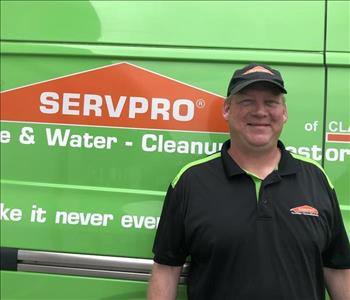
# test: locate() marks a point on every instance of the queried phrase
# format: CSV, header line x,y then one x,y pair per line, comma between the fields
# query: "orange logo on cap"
x,y
304,210
258,69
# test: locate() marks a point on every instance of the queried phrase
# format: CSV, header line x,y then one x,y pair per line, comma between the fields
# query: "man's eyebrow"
x,y
242,94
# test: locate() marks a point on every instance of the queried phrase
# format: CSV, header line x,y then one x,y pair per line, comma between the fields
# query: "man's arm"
x,y
337,283
163,284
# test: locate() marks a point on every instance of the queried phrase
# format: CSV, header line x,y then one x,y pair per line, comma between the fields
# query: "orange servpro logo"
x,y
119,95
304,210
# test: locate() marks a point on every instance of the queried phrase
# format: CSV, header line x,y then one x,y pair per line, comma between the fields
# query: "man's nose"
x,y
260,109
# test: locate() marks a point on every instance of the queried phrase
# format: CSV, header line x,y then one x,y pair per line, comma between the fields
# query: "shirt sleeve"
x,y
337,254
169,245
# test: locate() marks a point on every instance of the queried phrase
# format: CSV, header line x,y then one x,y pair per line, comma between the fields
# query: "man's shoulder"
x,y
311,166
199,165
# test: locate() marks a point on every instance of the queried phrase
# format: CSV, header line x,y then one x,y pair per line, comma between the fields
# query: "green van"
x,y
102,102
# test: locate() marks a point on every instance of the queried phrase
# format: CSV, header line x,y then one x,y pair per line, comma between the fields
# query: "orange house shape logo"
x,y
120,95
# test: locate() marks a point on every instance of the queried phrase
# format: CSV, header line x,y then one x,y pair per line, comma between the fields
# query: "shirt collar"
x,y
230,166
286,166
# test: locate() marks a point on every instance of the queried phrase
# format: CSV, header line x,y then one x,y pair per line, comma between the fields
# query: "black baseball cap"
x,y
253,73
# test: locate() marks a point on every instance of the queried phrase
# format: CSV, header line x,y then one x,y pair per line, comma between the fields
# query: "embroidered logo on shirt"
x,y
304,210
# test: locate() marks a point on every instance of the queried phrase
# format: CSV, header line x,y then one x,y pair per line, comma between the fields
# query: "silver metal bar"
x,y
88,265
82,272
85,261
88,272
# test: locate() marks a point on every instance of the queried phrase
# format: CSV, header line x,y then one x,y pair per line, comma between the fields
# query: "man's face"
x,y
256,116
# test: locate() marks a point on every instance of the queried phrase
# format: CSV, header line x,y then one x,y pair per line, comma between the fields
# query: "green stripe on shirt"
x,y
257,183
309,160
191,164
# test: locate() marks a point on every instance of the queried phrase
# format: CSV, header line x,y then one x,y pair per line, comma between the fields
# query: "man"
x,y
256,221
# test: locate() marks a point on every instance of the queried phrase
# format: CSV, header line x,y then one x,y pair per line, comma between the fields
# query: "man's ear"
x,y
226,110
285,114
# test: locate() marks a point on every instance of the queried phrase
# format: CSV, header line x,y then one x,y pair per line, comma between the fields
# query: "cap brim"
x,y
246,83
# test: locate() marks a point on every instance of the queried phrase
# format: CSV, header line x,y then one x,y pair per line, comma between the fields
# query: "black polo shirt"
x,y
241,247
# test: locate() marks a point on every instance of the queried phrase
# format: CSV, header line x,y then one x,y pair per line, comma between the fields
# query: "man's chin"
x,y
262,144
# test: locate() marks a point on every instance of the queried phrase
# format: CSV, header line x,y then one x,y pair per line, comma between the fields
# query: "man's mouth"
x,y
258,124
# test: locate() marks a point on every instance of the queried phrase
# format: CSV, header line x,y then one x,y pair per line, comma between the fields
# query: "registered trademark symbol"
x,y
200,103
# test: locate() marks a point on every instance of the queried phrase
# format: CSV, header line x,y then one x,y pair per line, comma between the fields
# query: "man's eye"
x,y
272,103
246,102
